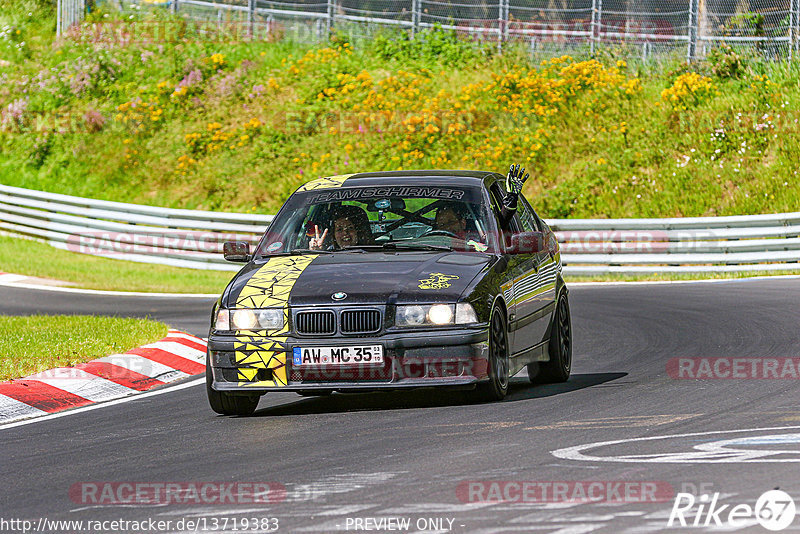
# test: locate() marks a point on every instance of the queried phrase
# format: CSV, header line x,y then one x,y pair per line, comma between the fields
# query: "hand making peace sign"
x,y
315,243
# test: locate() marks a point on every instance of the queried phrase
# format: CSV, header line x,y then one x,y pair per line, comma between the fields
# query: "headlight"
x,y
410,315
435,314
223,321
246,319
441,314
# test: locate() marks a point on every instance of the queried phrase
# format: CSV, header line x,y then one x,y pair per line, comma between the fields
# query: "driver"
x,y
350,228
451,217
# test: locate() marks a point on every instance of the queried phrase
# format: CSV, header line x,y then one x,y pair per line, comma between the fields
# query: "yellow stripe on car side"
x,y
329,182
269,287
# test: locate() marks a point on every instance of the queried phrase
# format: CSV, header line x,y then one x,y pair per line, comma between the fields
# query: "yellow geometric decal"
x,y
329,182
269,287
261,359
437,281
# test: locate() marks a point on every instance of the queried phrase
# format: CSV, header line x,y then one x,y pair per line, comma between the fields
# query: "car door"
x,y
529,298
523,270
535,295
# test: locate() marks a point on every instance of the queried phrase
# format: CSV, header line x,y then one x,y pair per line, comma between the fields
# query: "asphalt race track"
x,y
192,315
347,458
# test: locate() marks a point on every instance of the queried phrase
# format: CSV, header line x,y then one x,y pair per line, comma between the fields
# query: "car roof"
x,y
425,177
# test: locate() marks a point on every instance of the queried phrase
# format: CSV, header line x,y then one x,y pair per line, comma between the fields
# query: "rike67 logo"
x,y
774,510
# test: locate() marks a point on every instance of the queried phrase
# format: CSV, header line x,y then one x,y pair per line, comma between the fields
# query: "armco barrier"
x,y
188,238
181,238
769,242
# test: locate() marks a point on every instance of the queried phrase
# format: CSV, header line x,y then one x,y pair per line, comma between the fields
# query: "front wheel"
x,y
560,347
497,387
225,403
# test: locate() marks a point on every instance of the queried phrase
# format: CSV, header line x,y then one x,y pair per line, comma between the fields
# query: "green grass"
x,y
22,256
594,150
259,118
40,342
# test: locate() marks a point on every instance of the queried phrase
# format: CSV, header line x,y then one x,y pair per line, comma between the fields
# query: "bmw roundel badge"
x,y
339,295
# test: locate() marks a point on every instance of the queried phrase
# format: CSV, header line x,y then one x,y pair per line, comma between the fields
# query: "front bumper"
x,y
259,363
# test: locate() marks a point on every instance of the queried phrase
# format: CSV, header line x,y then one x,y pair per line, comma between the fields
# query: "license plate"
x,y
316,356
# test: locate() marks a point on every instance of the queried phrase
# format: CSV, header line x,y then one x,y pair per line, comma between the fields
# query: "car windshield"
x,y
348,219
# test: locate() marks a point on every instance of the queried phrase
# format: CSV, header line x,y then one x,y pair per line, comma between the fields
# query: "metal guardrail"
x,y
193,239
177,237
755,243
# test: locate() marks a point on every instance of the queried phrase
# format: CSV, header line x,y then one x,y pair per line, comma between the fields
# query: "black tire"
x,y
560,348
497,387
226,403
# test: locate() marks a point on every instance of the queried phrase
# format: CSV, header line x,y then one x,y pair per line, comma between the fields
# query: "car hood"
x,y
365,278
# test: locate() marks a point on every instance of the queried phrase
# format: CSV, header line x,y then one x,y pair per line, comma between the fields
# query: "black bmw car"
x,y
391,280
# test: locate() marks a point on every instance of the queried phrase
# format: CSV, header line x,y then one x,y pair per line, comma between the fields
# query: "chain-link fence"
x,y
641,28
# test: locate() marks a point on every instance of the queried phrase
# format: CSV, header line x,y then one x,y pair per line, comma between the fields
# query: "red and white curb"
x,y
177,356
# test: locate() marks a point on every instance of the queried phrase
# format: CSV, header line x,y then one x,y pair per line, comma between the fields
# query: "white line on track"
x,y
107,293
577,452
666,282
104,404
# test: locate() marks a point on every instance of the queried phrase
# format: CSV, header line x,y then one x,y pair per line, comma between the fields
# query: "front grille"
x,y
315,322
360,321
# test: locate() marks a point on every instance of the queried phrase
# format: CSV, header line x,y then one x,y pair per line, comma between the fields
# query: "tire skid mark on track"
x,y
176,356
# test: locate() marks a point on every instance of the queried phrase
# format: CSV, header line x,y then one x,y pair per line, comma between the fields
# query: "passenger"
x,y
452,218
350,228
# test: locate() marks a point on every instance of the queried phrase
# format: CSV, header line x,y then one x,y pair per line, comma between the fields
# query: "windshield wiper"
x,y
308,251
416,246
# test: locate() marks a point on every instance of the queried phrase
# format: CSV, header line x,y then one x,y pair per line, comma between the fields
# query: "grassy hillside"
x,y
36,343
237,126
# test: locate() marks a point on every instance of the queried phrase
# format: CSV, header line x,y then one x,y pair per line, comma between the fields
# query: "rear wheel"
x,y
497,387
560,348
225,403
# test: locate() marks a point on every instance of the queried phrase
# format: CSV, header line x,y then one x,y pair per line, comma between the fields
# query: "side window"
x,y
497,200
526,217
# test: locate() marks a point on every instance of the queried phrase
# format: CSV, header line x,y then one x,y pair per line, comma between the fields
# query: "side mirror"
x,y
238,251
526,243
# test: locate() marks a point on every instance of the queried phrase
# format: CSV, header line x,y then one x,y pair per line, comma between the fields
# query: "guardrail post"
x,y
319,29
251,17
794,27
331,14
58,17
415,16
597,13
691,51
502,23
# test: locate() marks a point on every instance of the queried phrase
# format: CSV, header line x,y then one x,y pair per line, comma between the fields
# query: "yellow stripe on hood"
x,y
269,287
329,182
